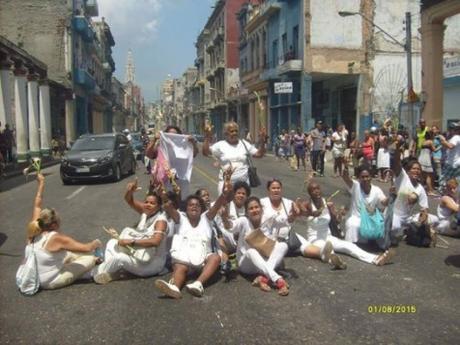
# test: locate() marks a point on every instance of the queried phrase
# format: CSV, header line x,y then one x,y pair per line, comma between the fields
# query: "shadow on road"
x,y
453,260
3,238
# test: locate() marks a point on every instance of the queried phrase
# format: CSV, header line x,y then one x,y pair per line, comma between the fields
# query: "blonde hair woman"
x,y
60,259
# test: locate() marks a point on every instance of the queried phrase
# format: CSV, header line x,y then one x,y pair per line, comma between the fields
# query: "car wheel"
x,y
66,181
117,173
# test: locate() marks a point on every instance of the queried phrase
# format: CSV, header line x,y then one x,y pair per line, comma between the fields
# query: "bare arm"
x,y
129,197
168,206
151,150
450,204
192,140
160,232
206,151
346,177
64,242
262,141
397,159
38,197
445,143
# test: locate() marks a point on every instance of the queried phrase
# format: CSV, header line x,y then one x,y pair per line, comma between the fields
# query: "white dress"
x,y
383,158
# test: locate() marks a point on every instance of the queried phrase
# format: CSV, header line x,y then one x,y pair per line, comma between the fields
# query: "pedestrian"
x,y
420,133
339,144
321,244
250,260
437,153
299,148
9,137
367,147
425,160
318,148
233,152
452,165
285,143
448,208
141,251
383,154
355,153
191,249
55,147
61,260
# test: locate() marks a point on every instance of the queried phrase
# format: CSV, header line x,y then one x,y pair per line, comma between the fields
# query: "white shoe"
x,y
326,252
168,289
103,278
195,288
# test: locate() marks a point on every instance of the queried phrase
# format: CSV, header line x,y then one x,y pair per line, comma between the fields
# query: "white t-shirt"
x,y
374,199
453,155
276,221
242,226
404,189
233,213
236,155
203,229
339,140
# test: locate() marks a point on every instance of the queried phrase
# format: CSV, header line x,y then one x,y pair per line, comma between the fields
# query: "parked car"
x,y
98,156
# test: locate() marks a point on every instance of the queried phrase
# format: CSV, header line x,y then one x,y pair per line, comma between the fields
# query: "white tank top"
x,y
319,226
444,213
49,263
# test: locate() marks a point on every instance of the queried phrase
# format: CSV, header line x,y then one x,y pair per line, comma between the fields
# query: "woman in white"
x,y
411,198
233,152
250,261
196,226
425,160
339,144
61,260
141,251
383,154
362,192
321,244
447,209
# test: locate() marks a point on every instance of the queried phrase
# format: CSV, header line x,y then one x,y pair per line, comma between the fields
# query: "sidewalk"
x,y
16,169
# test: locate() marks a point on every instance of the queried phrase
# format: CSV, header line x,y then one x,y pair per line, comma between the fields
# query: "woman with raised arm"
x,y
233,151
61,260
250,260
191,249
363,193
320,243
141,251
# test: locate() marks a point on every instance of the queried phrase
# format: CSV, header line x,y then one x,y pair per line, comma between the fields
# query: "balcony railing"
x,y
84,79
290,66
83,27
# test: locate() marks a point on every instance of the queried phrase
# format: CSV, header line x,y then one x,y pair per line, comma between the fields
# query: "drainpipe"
x,y
359,101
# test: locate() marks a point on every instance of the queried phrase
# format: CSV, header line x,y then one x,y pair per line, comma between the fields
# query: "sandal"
x,y
262,283
385,257
283,287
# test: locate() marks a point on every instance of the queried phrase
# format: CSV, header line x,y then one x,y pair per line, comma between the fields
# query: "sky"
x,y
161,35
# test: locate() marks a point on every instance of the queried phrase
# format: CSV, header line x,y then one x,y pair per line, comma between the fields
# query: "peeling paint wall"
x,y
328,29
452,33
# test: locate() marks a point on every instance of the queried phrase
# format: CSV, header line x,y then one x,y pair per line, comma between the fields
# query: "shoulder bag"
x,y
254,180
27,279
257,240
141,254
372,225
189,250
293,241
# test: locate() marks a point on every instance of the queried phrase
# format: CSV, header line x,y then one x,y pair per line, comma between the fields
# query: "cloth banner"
x,y
175,152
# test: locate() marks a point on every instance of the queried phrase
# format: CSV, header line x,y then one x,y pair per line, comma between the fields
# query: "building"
x,y
167,101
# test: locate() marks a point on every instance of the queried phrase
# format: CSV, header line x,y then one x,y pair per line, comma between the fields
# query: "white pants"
x,y
115,260
253,263
447,227
75,267
352,225
340,246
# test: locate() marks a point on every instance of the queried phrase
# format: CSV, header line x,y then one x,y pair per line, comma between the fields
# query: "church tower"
x,y
130,70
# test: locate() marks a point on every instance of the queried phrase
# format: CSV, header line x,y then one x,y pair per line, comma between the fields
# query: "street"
x,y
324,306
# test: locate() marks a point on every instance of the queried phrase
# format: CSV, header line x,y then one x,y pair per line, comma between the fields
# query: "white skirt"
x,y
383,159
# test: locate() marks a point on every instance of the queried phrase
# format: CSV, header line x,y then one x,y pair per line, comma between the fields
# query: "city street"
x,y
324,306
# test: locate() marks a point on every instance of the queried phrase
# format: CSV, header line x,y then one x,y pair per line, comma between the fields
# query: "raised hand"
x,y
133,186
208,127
263,134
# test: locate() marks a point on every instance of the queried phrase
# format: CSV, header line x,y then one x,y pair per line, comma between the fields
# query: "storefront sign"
x,y
283,87
452,67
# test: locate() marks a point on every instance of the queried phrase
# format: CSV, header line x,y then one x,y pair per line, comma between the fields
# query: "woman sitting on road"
x,y
250,261
191,250
233,152
141,251
320,243
447,209
363,192
61,260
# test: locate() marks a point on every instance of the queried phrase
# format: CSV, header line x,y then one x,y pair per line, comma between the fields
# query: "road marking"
x,y
75,193
206,175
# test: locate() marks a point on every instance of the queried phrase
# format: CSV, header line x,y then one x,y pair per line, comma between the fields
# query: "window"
x,y
295,41
285,47
257,52
274,53
264,49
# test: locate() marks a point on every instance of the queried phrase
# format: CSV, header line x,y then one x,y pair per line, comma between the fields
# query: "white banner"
x,y
285,87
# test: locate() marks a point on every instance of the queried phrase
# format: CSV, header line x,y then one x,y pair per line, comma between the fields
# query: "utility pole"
x,y
410,89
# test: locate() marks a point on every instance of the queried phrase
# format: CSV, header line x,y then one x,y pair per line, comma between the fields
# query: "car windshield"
x,y
94,144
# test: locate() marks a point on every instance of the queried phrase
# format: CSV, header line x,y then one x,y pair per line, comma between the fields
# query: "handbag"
x,y
27,279
254,180
293,241
141,254
372,225
257,240
190,250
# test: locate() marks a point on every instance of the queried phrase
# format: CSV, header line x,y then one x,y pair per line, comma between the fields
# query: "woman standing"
x,y
299,148
233,152
355,152
383,155
61,260
425,161
368,148
148,242
339,144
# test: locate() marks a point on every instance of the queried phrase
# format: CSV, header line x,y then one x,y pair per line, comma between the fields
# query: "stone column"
x,y
5,98
432,71
34,125
20,105
45,117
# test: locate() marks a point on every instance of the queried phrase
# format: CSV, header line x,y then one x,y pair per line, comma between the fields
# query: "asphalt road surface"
x,y
323,307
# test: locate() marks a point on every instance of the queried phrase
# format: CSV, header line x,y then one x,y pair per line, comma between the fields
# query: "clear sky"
x,y
160,33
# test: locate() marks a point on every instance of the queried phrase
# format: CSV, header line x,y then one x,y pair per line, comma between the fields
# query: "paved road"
x,y
324,306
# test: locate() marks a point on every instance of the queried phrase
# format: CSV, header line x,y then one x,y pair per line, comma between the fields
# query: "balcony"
x,y
269,74
82,26
84,79
265,11
290,66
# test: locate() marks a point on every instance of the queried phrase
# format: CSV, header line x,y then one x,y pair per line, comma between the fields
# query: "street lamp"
x,y
407,48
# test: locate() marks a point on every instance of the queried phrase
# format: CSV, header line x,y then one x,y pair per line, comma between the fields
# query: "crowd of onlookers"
x,y
377,149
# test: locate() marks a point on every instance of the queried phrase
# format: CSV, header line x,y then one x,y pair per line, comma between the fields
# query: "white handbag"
x,y
191,250
143,255
27,279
